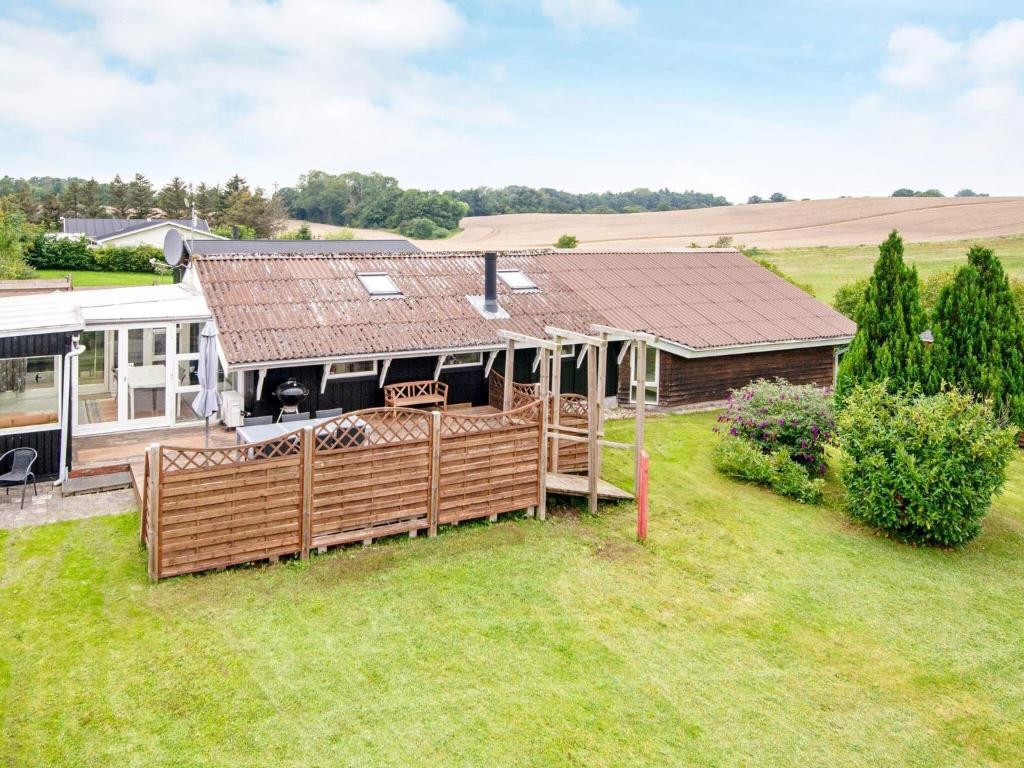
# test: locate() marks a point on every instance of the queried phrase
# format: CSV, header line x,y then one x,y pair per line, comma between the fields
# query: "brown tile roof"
x,y
699,299
302,307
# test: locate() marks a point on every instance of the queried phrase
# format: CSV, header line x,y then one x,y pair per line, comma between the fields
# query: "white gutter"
x,y
76,350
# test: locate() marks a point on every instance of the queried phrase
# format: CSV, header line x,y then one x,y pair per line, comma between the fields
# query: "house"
x,y
346,323
134,231
343,325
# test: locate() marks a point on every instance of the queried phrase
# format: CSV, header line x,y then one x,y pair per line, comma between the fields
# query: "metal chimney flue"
x,y
490,281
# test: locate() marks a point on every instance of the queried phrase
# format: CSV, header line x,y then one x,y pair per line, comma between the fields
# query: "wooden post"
x,y
153,518
542,504
640,376
592,448
602,372
510,361
556,400
306,480
433,508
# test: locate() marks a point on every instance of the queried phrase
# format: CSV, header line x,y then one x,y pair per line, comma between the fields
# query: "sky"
x,y
812,99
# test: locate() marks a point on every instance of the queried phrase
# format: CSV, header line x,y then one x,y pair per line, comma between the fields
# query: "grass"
x,y
750,630
87,279
827,268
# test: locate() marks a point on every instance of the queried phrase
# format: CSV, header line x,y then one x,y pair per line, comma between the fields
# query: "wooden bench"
x,y
413,394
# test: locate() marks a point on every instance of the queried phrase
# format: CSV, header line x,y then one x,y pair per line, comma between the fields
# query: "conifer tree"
x,y
119,198
979,336
887,346
140,197
173,199
90,198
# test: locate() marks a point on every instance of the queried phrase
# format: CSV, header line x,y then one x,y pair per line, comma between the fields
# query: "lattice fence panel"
x,y
573,412
489,464
371,483
223,507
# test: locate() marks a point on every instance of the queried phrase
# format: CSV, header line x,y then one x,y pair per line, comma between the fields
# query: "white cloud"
x,y
577,14
999,52
920,58
201,87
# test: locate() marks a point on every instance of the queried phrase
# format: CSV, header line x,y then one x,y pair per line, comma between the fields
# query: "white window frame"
x,y
445,366
351,374
503,273
370,290
647,383
569,350
58,383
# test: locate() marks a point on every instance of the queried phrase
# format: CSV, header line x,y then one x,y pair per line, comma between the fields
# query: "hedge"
x,y
76,254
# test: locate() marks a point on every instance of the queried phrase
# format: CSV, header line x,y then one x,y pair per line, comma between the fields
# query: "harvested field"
x,y
847,221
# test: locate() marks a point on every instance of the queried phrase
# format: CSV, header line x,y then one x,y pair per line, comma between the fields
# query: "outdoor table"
x,y
257,433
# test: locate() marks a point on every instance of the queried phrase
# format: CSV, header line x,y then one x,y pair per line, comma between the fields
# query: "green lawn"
x,y
749,631
86,279
825,269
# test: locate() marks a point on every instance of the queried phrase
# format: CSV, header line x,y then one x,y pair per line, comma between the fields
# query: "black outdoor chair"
x,y
330,413
254,421
20,472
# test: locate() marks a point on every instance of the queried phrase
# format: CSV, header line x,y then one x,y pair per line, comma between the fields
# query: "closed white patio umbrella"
x,y
207,402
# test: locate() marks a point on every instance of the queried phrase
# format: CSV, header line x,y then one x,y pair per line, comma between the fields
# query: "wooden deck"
x,y
576,485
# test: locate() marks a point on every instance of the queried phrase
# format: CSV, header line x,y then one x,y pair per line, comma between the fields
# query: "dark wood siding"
x,y
686,381
47,445
465,385
35,345
46,442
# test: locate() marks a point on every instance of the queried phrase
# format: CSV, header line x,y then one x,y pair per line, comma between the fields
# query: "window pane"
x,y
652,365
188,338
516,280
379,284
28,391
353,368
569,350
463,358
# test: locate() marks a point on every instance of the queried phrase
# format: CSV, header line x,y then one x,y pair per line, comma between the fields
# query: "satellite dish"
x,y
174,247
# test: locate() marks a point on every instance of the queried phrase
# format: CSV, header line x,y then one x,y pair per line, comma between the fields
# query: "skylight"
x,y
516,280
378,284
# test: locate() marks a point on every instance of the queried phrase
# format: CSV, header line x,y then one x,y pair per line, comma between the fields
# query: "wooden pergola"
x,y
595,349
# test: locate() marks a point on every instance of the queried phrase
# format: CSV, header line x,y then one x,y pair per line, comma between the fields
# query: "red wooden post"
x,y
641,497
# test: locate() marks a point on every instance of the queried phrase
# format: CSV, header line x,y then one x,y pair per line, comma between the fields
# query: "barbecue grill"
x,y
290,394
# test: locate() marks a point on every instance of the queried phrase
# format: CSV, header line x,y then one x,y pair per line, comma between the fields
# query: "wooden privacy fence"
x,y
399,471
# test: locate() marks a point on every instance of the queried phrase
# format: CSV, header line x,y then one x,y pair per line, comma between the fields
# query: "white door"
x,y
125,379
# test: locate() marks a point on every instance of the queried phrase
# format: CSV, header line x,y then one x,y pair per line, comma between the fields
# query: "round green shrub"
x,y
923,469
567,241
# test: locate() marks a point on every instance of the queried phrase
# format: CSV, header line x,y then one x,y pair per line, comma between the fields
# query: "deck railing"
x,y
399,471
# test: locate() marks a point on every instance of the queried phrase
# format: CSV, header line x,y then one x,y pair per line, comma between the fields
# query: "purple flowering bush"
x,y
798,419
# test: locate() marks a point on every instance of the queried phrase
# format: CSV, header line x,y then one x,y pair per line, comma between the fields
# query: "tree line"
x,y
44,200
368,200
377,201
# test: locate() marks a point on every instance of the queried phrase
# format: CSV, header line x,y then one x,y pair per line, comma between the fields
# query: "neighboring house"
x,y
134,231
